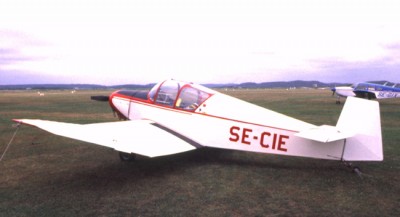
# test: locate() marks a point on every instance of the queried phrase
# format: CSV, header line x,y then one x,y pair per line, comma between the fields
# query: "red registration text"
x,y
265,139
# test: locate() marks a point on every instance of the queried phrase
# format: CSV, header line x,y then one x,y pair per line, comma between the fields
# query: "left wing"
x,y
139,136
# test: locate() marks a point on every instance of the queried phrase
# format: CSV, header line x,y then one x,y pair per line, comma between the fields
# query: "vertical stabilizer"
x,y
362,118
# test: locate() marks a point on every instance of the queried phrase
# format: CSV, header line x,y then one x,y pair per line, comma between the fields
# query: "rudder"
x,y
361,117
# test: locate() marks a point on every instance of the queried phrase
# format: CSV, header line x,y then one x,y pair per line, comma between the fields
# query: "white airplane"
x,y
175,117
367,90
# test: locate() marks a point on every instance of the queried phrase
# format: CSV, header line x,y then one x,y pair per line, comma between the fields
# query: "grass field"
x,y
46,175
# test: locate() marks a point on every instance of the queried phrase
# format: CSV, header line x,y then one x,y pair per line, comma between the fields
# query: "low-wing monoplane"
x,y
175,117
367,90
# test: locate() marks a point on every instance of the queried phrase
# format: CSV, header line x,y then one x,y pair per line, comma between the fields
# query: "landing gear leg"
x,y
127,157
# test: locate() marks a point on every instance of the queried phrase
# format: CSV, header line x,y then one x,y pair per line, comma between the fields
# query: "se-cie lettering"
x,y
270,140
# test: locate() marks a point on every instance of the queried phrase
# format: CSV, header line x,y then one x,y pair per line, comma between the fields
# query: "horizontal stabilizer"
x,y
139,136
324,134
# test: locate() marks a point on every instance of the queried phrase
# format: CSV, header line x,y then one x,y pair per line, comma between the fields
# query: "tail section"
x,y
362,119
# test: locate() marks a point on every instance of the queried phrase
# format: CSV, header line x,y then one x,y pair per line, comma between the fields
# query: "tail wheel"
x,y
357,170
127,157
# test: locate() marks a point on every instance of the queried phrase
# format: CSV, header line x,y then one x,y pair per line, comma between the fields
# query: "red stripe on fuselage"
x,y
151,104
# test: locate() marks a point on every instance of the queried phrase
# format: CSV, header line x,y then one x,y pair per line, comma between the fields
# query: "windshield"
x,y
167,93
153,91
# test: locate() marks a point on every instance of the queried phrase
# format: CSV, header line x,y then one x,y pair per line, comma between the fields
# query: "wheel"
x,y
127,157
357,170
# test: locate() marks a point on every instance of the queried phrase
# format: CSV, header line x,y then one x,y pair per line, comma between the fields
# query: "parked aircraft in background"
x,y
177,116
368,90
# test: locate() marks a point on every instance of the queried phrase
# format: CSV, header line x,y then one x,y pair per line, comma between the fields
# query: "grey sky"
x,y
207,41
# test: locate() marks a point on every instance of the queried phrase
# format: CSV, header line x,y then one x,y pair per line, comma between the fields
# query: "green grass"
x,y
46,175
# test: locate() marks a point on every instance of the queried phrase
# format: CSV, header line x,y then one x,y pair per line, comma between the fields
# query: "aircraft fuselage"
x,y
218,120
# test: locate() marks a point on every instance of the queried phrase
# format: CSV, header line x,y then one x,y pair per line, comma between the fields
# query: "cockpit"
x,y
172,94
180,95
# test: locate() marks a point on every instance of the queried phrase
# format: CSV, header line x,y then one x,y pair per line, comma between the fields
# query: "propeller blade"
x,y
100,98
105,99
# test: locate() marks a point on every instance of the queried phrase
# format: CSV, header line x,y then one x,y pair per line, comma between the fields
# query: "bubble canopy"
x,y
180,95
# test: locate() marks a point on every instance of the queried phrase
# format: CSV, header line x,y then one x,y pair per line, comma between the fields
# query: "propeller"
x,y
106,99
100,98
103,99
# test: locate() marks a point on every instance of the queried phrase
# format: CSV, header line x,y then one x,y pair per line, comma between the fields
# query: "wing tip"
x,y
23,121
19,121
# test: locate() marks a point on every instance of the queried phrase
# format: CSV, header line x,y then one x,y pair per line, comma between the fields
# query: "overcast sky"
x,y
203,41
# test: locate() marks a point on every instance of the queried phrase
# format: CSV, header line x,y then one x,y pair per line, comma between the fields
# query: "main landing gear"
x,y
127,157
